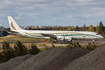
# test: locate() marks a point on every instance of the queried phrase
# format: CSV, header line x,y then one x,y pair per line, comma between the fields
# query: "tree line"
x,y
99,28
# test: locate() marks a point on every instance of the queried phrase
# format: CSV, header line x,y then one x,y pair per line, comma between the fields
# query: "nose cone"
x,y
101,37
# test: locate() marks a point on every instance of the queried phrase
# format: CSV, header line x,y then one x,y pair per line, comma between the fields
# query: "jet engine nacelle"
x,y
61,38
68,39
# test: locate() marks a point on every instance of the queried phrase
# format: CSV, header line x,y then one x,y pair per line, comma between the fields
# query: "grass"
x,y
20,38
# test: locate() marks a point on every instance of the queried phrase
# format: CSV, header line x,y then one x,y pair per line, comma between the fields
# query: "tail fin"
x,y
13,24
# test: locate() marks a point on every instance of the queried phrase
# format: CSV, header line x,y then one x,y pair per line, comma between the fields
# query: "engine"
x,y
61,38
68,39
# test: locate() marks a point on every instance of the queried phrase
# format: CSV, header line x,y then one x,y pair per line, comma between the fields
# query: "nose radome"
x,y
101,37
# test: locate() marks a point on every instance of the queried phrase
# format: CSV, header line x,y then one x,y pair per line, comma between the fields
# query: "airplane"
x,y
64,36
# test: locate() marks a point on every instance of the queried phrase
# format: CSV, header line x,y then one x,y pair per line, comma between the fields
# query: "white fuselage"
x,y
71,34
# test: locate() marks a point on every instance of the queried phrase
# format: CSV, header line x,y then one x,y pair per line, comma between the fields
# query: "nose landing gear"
x,y
95,40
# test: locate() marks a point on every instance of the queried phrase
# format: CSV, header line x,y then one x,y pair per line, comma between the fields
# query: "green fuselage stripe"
x,y
78,35
62,35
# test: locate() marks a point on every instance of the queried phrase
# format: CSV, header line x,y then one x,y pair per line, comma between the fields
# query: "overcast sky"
x,y
53,12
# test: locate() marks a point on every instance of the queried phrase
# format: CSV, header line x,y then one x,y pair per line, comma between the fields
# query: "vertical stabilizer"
x,y
13,24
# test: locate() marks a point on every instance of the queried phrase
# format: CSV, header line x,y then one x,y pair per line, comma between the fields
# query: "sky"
x,y
53,12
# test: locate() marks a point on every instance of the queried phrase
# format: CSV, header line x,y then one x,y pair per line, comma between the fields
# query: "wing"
x,y
49,35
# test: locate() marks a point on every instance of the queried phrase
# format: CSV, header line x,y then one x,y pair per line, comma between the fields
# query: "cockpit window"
x,y
97,34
